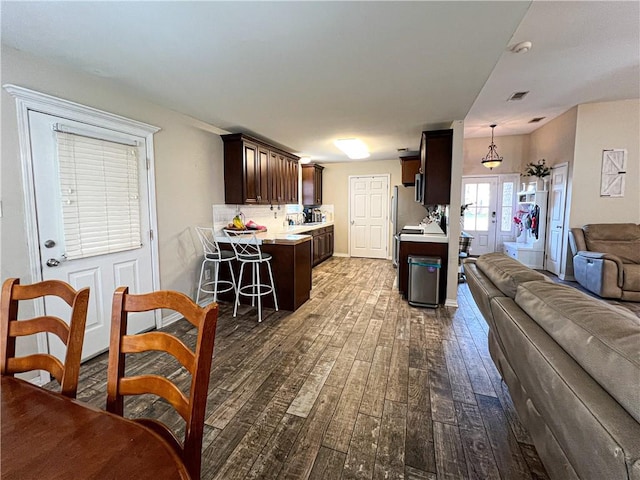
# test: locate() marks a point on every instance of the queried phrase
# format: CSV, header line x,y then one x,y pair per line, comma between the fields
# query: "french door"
x,y
491,202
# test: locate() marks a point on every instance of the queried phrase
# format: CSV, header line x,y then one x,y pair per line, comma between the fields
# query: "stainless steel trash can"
x,y
424,281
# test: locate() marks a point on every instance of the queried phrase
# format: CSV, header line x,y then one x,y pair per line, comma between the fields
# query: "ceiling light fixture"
x,y
522,47
304,160
353,148
492,159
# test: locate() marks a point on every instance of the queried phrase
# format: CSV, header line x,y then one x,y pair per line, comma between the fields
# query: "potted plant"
x,y
538,170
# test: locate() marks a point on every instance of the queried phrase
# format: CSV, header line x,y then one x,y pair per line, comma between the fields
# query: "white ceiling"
x,y
302,74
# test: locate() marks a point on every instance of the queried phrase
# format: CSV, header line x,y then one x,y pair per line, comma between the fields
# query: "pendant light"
x,y
492,159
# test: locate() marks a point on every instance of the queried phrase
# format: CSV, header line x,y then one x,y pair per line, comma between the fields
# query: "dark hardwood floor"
x,y
355,384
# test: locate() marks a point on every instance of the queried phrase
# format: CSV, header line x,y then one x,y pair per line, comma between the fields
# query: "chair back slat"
x,y
198,362
71,335
162,342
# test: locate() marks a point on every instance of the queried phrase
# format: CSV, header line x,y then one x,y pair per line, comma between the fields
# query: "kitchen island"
x,y
291,265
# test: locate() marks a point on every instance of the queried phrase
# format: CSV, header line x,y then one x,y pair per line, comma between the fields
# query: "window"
x,y
99,195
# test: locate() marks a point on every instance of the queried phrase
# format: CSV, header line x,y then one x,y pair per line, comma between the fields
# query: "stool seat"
x,y
221,255
263,257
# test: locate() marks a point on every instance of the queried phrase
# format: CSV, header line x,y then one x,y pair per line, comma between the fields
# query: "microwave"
x,y
419,187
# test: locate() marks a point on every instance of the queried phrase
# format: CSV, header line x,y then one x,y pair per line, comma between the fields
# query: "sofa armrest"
x,y
577,241
605,256
602,276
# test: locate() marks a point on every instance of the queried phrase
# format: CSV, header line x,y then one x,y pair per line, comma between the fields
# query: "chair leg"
x,y
273,286
235,305
257,269
204,262
253,285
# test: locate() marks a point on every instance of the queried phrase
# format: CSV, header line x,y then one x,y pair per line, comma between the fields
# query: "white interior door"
x,y
101,272
369,222
555,239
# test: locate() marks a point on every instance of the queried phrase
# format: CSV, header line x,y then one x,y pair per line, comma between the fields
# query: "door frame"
x,y
386,225
27,100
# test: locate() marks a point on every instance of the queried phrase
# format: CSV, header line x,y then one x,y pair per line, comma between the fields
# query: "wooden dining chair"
x,y
71,334
197,363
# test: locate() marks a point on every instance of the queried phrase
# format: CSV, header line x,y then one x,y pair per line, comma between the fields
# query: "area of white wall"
x,y
603,126
454,206
335,190
188,165
513,148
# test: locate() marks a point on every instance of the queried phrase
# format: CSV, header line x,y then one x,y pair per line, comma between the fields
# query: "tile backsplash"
x,y
275,218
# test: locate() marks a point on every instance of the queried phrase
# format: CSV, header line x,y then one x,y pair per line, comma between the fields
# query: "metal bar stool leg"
x,y
257,268
235,305
204,262
216,268
233,281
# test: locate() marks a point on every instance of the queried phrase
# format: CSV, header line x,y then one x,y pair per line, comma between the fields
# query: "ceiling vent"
x,y
537,119
517,96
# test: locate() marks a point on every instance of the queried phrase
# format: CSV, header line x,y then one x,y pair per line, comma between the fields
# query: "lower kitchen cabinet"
x,y
322,244
423,249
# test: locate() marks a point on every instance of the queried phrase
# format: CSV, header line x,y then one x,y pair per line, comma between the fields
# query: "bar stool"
x,y
213,254
247,249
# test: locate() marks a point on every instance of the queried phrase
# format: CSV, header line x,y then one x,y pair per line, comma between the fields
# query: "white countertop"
x,y
432,234
290,235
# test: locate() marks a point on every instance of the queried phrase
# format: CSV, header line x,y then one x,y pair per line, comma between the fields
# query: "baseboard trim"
x,y
450,302
568,278
345,255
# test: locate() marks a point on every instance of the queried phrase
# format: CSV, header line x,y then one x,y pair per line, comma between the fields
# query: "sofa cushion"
x,y
631,281
506,273
603,339
620,239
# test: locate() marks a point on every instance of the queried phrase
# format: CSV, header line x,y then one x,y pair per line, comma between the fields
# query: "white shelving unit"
x,y
529,249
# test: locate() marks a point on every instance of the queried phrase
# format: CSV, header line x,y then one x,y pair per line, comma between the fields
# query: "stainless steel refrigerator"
x,y
404,211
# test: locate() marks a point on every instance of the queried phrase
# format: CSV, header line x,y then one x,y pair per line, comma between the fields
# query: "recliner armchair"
x,y
606,259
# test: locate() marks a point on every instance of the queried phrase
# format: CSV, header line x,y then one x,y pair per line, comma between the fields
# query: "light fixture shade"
x,y
492,159
353,147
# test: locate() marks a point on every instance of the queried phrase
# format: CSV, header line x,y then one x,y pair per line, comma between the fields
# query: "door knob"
x,y
49,244
52,262
353,222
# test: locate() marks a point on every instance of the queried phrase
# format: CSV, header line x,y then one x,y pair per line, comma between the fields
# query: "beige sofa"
x,y
606,259
572,366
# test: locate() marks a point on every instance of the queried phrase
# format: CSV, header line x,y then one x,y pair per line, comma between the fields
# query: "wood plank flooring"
x,y
356,384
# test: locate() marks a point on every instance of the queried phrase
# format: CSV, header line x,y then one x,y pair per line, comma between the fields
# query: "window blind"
x,y
100,196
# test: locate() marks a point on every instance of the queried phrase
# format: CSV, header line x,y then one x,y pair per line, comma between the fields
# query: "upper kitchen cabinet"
x,y
312,184
436,149
410,167
258,173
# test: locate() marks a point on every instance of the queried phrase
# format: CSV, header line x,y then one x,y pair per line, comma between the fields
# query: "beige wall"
x,y
556,143
602,126
188,165
513,148
335,191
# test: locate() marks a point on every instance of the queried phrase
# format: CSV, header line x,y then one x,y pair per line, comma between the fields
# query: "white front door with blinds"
x,y
368,209
92,207
491,201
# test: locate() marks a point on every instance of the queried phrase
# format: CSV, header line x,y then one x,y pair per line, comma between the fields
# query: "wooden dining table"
x,y
45,435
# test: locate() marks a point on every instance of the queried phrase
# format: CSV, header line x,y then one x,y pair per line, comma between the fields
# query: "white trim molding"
x,y
31,100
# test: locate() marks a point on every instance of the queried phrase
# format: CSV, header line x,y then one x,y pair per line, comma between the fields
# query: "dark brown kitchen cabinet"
x,y
410,167
436,149
312,184
258,173
322,244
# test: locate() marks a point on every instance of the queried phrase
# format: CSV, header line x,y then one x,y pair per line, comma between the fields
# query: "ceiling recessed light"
x,y
517,96
354,148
